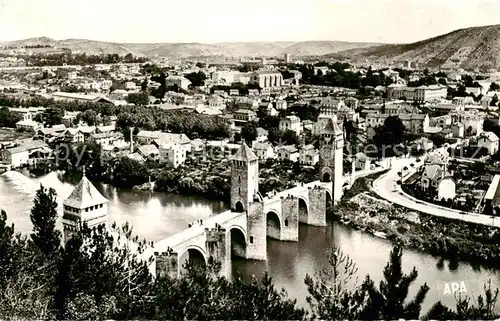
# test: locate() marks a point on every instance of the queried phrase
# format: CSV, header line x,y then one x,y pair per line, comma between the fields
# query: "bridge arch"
x,y
238,241
238,207
328,198
273,224
193,254
303,210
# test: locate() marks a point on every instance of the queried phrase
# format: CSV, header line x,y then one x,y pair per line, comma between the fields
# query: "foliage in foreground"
x,y
100,274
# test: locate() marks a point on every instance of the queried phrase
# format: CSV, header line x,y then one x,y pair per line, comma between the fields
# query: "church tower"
x,y
84,204
244,178
331,157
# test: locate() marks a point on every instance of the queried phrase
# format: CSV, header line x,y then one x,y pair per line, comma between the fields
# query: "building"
x,y
172,153
415,123
473,122
352,103
422,143
309,155
168,138
73,135
149,152
281,104
441,121
147,137
431,176
288,153
331,157
229,77
85,205
244,115
216,102
178,81
37,150
104,139
263,151
28,124
421,94
287,58
322,69
267,78
244,179
447,188
80,97
130,85
15,157
361,162
261,135
291,123
489,141
458,130
492,196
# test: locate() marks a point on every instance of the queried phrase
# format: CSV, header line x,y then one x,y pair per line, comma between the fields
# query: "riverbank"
x,y
206,177
449,239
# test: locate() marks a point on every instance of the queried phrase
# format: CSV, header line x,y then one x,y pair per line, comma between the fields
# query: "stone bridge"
x,y
244,234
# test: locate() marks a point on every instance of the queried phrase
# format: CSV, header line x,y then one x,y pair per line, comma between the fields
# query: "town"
x,y
257,180
193,115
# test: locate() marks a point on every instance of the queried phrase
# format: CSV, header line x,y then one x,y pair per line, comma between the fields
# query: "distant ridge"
x,y
184,50
468,48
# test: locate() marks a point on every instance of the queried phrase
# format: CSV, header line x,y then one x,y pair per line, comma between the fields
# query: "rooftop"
x,y
244,154
85,195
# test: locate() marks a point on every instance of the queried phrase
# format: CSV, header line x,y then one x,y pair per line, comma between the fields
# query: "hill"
x,y
184,50
470,48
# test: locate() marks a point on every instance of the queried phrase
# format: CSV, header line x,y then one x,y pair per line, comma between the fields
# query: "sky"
x,y
212,21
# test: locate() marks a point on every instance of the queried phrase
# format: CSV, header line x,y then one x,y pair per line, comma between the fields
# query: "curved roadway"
x,y
387,188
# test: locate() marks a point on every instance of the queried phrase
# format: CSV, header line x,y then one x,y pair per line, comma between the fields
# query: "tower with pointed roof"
x,y
331,157
84,205
244,178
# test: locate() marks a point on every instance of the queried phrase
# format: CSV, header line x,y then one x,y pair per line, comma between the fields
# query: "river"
x,y
157,215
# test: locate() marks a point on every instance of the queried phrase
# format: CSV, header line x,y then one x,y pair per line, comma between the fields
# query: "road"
x,y
387,188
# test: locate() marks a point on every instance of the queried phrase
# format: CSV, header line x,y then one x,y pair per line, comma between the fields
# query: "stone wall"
x,y
218,249
167,263
290,216
256,232
317,206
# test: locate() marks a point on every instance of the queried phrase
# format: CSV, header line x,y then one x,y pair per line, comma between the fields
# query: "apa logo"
x,y
454,287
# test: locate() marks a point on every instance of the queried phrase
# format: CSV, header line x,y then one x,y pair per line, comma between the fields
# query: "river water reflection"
x,y
156,216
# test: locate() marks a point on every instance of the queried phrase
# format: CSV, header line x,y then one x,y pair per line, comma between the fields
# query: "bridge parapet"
x,y
196,223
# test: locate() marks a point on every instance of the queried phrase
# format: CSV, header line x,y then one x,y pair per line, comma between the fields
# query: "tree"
x,y
199,295
89,117
8,118
100,273
290,137
144,84
7,253
485,309
494,100
249,132
53,116
45,237
329,298
388,300
140,98
197,79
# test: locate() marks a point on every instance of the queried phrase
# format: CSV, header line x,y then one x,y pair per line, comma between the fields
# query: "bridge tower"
x,y
331,157
244,178
245,197
84,205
